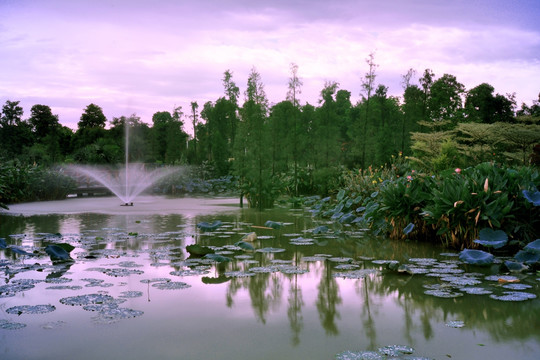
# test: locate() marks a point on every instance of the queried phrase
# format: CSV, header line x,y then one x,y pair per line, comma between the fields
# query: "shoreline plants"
x,y
451,207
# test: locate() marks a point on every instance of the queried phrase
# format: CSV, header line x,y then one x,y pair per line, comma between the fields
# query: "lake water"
x,y
134,292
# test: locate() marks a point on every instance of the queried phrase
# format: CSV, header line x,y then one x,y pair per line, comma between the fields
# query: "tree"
x,y
445,102
92,117
484,107
295,89
412,109
368,83
43,121
15,134
426,81
91,127
11,114
327,129
252,153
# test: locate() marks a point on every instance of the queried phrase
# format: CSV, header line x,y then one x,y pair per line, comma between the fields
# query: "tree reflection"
x,y
327,300
294,310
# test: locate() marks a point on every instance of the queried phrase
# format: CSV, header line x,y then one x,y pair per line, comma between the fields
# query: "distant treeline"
x,y
290,147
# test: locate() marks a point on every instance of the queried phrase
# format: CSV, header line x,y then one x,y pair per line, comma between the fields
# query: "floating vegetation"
x,y
360,355
355,274
130,294
502,278
346,267
60,280
10,325
270,250
96,283
30,309
171,285
301,241
513,296
476,291
122,272
455,324
314,258
10,290
264,269
64,287
129,264
88,299
382,353
443,293
395,350
340,259
155,280
190,272
514,286
461,280
291,269
239,274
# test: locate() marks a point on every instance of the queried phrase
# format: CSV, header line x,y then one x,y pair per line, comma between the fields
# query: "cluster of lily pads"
x,y
449,278
397,352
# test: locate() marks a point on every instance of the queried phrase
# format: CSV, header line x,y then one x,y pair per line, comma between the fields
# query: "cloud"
x,y
148,56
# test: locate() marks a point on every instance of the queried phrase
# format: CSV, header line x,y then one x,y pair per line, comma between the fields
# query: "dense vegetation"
x,y
293,149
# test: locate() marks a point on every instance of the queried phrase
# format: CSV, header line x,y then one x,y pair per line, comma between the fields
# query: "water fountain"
x,y
125,182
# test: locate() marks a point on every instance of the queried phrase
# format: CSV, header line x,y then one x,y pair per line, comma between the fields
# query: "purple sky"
x,y
135,56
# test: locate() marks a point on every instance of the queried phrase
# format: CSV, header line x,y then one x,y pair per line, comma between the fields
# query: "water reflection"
x,y
371,309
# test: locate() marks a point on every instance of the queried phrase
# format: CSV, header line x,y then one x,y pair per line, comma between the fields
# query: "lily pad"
x,y
205,226
527,257
245,245
270,250
30,309
532,196
513,296
217,258
323,229
395,350
273,224
199,250
455,324
10,325
360,355
171,285
492,238
89,299
57,253
533,247
408,228
476,257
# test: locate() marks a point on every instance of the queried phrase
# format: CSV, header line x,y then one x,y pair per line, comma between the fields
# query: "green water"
x,y
302,307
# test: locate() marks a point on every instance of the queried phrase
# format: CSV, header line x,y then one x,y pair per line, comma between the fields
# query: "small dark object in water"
x,y
127,204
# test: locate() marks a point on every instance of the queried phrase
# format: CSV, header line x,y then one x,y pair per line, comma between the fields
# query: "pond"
x,y
307,290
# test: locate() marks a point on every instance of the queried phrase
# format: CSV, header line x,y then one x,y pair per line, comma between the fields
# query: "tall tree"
x,y
194,121
368,83
295,89
15,133
327,130
252,153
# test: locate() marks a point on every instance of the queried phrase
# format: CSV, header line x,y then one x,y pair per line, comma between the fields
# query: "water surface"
x,y
293,298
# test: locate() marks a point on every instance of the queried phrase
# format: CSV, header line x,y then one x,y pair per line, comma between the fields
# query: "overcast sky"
x,y
136,56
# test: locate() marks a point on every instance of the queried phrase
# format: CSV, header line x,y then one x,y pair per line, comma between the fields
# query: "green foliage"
x,y
20,183
479,197
403,200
